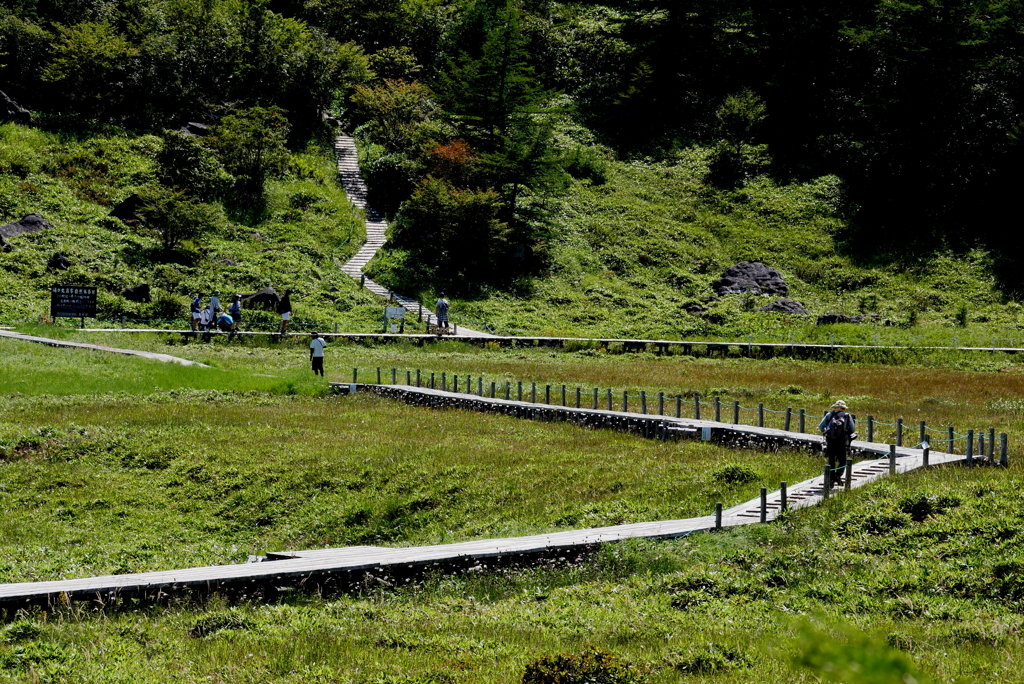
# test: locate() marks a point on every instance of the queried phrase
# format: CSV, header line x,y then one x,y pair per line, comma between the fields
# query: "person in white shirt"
x,y
316,353
205,319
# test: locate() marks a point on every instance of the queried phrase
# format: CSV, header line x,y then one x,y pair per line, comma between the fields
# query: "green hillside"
x,y
306,229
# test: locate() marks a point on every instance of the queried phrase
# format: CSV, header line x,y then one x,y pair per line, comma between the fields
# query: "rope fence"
x,y
980,443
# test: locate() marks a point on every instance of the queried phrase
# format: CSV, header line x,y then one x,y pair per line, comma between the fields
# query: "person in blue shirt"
x,y
839,428
235,310
197,311
441,308
225,323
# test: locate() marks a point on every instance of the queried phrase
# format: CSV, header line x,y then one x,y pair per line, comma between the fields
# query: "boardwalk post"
x,y
595,398
355,375
533,393
899,432
508,389
803,416
394,378
431,381
991,445
480,385
610,399
783,504
892,459
924,433
577,397
493,390
679,406
547,394
696,406
826,482
718,410
871,428
643,402
625,401
764,504
563,395
848,482
735,413
444,382
981,444
408,378
455,384
760,414
378,375
519,390
718,515
924,457
970,447
951,439
1004,459
789,418
661,403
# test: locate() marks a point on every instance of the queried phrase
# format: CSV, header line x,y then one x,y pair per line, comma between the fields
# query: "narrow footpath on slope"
x,y
376,229
96,347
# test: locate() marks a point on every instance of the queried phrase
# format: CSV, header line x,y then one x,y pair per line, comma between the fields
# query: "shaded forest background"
x,y
472,112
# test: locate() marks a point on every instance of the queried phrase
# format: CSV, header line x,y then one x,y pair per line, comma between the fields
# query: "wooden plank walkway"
x,y
316,567
167,358
688,346
376,227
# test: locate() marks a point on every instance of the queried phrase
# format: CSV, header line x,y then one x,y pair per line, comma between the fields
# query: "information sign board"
x,y
72,301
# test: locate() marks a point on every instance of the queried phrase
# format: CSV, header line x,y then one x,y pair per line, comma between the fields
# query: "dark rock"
x,y
139,293
786,306
832,318
753,277
58,262
5,246
194,130
229,262
11,111
33,223
267,298
695,308
128,209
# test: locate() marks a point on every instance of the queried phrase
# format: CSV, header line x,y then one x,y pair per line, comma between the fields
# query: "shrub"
x,y
712,660
591,666
878,523
920,505
733,474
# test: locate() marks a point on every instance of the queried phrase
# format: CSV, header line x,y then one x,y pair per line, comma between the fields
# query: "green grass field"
x,y
117,464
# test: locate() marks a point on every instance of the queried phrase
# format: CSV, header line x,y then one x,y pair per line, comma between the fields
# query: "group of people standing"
x,y
213,317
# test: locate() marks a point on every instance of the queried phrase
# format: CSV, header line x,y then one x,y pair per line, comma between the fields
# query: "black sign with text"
x,y
72,301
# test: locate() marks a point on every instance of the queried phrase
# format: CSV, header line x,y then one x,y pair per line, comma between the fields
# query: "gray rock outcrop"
x,y
58,262
786,306
32,223
11,111
753,277
832,318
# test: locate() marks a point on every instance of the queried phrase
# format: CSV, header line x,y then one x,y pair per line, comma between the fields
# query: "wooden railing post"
x,y
643,402
625,401
378,375
789,418
871,428
1004,459
951,438
394,376
609,399
661,403
970,447
679,406
547,394
735,413
924,433
925,457
563,395
355,375
764,504
577,397
826,482
899,432
718,410
783,504
508,390
760,414
803,416
494,389
892,459
848,482
991,445
595,398
718,515
533,393
519,390
696,406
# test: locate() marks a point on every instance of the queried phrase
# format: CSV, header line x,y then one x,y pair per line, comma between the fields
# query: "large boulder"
x,y
267,298
128,209
11,111
194,129
786,306
832,318
58,262
139,293
753,277
33,223
5,246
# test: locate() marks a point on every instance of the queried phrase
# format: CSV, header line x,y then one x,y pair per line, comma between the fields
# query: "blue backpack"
x,y
836,429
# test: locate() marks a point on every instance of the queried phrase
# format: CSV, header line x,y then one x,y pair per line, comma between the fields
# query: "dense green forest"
x,y
475,116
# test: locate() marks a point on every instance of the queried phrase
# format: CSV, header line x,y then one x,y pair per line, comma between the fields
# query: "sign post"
x,y
73,301
390,314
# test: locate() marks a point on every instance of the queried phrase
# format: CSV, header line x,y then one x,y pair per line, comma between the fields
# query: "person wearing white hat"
x,y
839,428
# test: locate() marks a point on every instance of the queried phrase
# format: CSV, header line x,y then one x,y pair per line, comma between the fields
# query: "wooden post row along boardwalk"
x,y
321,568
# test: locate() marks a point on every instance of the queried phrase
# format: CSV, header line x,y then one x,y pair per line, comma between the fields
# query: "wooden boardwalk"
x,y
326,567
167,358
710,348
376,228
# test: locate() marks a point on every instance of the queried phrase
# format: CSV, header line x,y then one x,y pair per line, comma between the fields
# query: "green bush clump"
x,y
590,666
920,505
734,474
212,624
876,523
711,660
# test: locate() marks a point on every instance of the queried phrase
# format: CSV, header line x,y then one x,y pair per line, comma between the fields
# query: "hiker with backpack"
x,y
839,428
